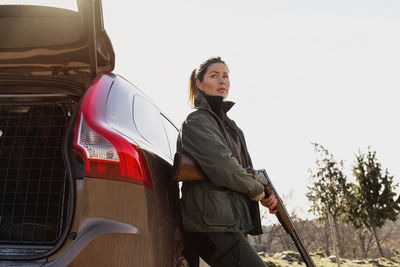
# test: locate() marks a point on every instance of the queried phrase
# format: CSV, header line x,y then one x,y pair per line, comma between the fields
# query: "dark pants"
x,y
220,250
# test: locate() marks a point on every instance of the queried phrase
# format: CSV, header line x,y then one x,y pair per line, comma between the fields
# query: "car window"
x,y
148,121
119,106
172,134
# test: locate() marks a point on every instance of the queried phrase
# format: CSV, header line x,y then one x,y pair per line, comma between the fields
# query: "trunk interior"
x,y
35,188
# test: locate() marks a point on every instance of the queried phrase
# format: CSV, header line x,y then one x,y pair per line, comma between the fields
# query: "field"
x,y
293,259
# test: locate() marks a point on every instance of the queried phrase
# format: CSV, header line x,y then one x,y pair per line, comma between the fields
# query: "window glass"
x,y
119,107
148,122
172,134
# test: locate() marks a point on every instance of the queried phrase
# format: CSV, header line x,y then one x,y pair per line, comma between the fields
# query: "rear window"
x,y
149,124
172,134
119,107
132,114
66,4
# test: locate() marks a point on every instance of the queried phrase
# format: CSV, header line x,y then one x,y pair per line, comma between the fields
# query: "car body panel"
x,y
122,224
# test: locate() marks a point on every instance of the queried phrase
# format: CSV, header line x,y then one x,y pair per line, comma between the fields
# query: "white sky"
x,y
301,72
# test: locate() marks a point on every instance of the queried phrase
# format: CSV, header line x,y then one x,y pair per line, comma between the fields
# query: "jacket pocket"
x,y
218,209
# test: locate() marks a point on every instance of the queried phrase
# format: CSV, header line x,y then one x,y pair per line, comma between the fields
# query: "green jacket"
x,y
221,203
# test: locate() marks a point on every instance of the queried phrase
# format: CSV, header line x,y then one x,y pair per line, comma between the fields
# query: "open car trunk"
x,y
54,42
34,188
35,185
48,58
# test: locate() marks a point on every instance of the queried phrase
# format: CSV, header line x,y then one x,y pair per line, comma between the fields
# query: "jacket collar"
x,y
213,103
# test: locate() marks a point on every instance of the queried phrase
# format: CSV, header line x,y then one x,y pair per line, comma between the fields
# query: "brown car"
x,y
85,157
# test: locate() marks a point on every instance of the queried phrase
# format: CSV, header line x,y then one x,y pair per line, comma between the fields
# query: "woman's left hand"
x,y
270,203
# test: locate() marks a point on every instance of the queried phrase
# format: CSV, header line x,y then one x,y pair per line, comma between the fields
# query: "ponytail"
x,y
193,90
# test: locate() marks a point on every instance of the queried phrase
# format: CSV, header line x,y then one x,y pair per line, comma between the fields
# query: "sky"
x,y
301,72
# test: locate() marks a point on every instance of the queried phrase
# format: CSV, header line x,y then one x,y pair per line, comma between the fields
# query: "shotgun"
x,y
187,169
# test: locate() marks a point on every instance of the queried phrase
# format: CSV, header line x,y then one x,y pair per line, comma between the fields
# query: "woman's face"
x,y
216,80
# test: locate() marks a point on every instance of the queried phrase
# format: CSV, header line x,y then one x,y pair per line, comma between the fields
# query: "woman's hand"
x,y
258,197
270,203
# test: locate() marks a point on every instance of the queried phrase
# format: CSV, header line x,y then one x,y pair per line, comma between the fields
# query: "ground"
x,y
293,259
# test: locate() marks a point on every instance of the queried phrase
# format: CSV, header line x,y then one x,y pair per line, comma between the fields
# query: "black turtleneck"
x,y
215,103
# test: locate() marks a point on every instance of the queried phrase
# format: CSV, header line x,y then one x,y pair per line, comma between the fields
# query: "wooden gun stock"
x,y
187,169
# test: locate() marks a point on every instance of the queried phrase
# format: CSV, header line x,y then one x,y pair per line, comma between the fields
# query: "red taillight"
x,y
105,152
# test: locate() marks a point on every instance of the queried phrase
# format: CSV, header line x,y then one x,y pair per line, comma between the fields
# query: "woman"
x,y
218,212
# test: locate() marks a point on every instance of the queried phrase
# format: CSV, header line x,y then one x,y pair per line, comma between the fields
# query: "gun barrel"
x,y
287,223
302,250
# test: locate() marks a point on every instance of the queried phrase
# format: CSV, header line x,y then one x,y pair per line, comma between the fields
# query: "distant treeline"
x,y
354,244
361,216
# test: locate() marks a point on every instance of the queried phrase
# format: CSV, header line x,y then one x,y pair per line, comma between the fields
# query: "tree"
x,y
328,189
365,239
372,201
351,217
324,238
270,234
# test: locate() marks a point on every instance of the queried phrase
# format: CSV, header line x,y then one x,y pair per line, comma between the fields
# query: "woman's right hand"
x,y
258,197
270,203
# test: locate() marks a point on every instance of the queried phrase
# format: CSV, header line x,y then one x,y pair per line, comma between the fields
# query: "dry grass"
x,y
293,259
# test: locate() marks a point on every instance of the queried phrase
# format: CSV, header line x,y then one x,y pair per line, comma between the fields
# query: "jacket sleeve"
x,y
202,139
